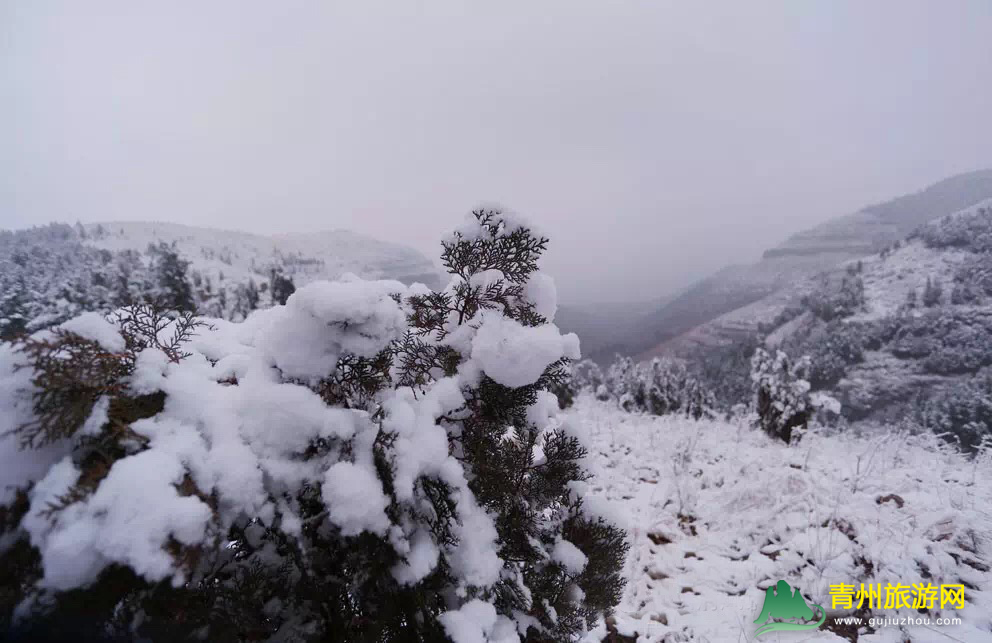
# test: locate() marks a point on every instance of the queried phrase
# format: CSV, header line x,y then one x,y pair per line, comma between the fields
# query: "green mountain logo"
x,y
790,610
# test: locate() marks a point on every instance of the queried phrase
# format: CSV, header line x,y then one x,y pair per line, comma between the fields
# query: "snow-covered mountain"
x,y
240,255
51,273
734,299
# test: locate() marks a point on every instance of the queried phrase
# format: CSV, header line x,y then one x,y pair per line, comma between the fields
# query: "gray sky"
x,y
654,141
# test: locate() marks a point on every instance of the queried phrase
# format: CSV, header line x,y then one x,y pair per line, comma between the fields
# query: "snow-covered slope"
x,y
721,305
240,255
898,346
717,512
888,278
875,226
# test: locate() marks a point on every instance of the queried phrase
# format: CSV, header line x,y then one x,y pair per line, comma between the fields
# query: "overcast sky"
x,y
654,141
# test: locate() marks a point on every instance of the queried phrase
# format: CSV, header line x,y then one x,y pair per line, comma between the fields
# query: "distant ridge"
x,y
875,226
304,257
799,257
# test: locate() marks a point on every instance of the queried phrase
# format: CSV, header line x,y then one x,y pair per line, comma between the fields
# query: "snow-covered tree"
x,y
832,346
781,393
961,413
173,288
836,301
911,299
588,376
367,462
932,293
13,308
281,287
725,370
565,390
660,387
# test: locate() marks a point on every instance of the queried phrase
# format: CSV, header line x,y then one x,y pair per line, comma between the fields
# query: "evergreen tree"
x,y
588,376
281,287
13,308
725,370
911,299
661,387
932,293
174,291
781,393
246,299
960,413
565,391
381,468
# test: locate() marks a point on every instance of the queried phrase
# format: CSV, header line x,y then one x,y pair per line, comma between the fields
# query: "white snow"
x,y
542,292
570,557
420,560
98,417
477,622
128,520
470,230
18,467
354,499
717,511
516,355
888,280
324,320
95,327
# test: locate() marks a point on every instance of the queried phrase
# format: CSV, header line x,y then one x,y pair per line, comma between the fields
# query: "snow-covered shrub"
x,y
837,300
173,288
725,370
565,391
961,413
972,282
969,230
367,462
282,287
781,393
932,293
661,387
946,341
588,376
832,346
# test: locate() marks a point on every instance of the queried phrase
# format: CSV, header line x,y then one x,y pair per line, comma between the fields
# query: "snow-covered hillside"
x,y
240,255
910,336
717,512
49,274
735,300
889,277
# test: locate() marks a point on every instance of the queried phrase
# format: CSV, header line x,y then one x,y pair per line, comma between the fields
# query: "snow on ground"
x,y
888,280
717,512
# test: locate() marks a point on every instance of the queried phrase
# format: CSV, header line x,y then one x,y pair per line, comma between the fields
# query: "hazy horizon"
x,y
654,142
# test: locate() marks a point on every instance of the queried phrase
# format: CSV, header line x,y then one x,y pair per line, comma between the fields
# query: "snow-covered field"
x,y
717,512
